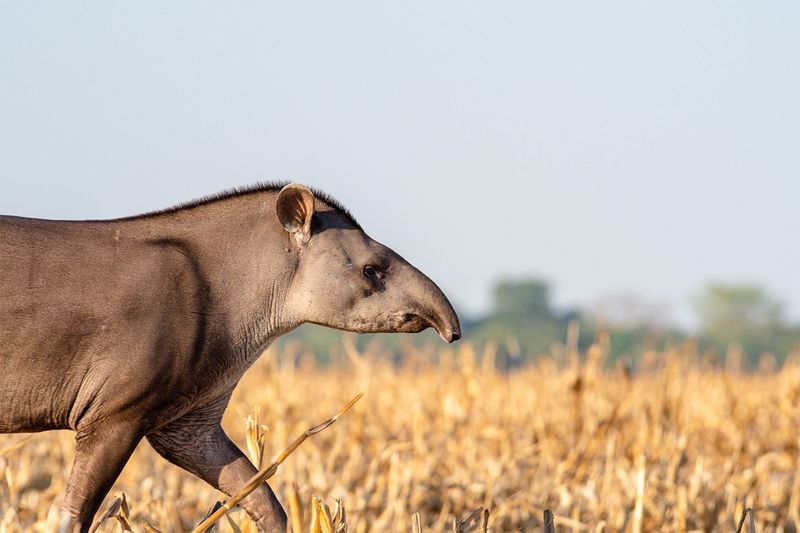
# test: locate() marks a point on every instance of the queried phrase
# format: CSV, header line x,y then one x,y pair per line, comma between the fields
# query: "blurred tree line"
x,y
747,316
523,323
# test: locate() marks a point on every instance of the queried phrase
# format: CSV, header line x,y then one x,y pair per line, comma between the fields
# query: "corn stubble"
x,y
447,443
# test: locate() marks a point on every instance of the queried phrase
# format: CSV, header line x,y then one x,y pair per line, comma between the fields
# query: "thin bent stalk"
x,y
269,471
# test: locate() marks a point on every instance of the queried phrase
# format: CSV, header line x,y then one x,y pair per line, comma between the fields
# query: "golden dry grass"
x,y
681,446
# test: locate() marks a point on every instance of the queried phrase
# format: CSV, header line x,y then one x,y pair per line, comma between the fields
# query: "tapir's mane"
x,y
244,191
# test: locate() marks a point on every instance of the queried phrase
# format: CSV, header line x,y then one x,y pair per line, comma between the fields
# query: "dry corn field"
x,y
682,445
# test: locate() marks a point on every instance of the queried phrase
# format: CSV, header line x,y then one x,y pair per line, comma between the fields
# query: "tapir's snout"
x,y
446,324
431,307
451,332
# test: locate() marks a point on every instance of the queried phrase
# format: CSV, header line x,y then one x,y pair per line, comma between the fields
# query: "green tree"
x,y
530,298
745,314
521,317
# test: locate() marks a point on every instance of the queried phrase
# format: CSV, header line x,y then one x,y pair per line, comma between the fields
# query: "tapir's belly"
x,y
29,406
41,371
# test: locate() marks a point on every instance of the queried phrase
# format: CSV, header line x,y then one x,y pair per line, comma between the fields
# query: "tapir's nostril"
x,y
455,336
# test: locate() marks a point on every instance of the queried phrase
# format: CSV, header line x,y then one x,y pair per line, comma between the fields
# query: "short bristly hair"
x,y
275,186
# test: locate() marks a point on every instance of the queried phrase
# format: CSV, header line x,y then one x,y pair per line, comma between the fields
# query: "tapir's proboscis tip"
x,y
450,333
450,327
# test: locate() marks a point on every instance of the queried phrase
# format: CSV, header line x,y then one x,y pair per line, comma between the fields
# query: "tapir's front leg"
x,y
101,452
201,447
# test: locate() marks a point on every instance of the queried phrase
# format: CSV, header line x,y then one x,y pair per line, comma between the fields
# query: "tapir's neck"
x,y
244,260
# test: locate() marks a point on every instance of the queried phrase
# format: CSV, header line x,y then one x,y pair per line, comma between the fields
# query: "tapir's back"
x,y
48,269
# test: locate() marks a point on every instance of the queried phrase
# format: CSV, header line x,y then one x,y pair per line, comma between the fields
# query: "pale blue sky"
x,y
605,146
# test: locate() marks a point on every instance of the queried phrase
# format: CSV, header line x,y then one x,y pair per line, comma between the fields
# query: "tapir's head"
x,y
345,280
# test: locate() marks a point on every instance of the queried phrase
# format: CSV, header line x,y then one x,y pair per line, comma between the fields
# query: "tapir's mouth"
x,y
413,323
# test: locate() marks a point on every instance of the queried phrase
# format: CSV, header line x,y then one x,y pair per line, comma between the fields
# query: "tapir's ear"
x,y
295,208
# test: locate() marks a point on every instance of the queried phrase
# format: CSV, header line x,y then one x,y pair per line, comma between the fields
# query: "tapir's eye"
x,y
370,272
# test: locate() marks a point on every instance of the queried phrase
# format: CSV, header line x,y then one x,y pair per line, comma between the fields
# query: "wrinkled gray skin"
x,y
142,327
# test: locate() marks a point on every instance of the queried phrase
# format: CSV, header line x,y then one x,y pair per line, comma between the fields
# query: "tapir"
x,y
141,327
